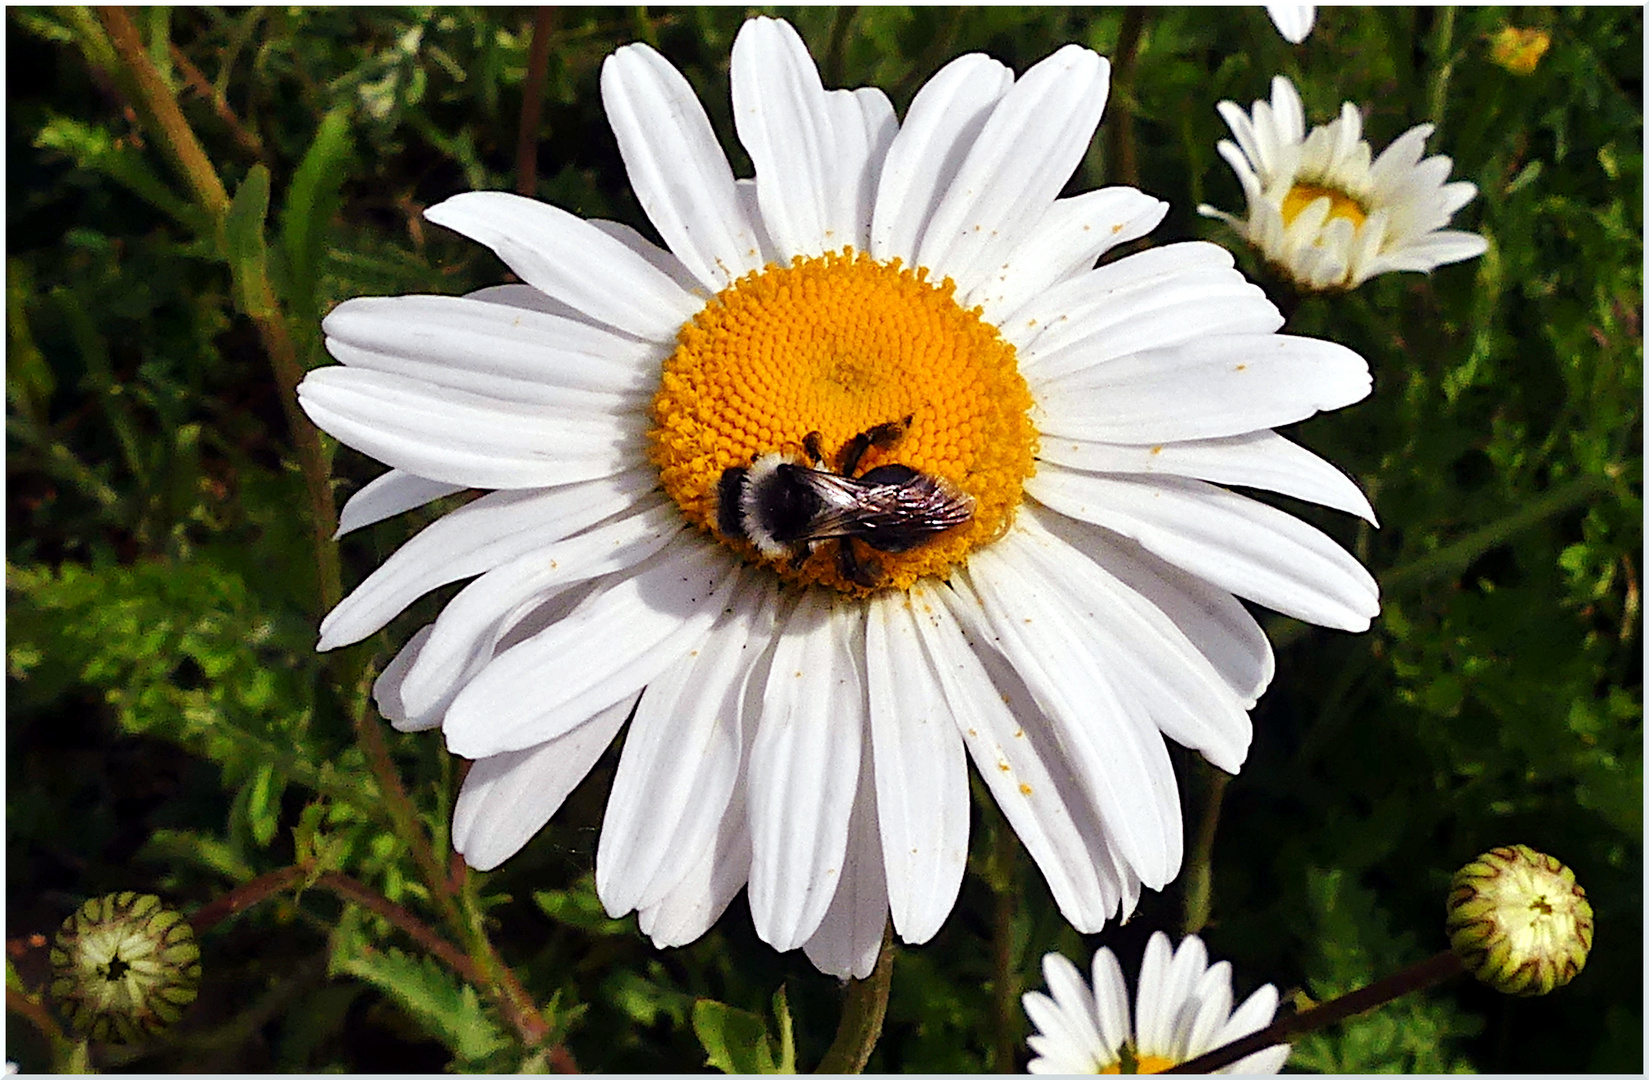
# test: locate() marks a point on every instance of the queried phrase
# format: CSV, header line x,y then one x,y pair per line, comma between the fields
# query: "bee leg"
x,y
867,574
810,443
882,436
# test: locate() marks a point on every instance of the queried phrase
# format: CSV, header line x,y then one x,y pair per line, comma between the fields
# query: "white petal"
x,y
1071,236
694,903
498,351
1254,550
395,492
474,623
1074,998
864,126
508,797
1110,1001
610,647
1089,309
1255,1013
1026,151
940,128
804,768
1118,754
850,937
1259,459
1151,662
1029,779
1293,21
1154,1016
921,772
386,688
784,121
464,438
1213,619
570,259
676,166
1060,1043
473,539
1435,249
681,760
1206,388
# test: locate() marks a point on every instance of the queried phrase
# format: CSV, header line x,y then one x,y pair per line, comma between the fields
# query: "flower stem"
x,y
862,1015
1124,163
1437,90
1427,973
1004,1000
1199,874
532,101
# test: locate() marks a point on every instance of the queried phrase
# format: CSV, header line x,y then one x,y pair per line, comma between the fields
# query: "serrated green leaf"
x,y
247,253
447,1009
580,907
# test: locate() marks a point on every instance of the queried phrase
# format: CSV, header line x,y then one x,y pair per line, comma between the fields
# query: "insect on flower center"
x,y
1340,205
852,367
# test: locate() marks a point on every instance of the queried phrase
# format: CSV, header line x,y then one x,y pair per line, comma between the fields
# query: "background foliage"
x,y
172,730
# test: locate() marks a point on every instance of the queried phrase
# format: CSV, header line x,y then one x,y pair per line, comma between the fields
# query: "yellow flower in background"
x,y
1519,51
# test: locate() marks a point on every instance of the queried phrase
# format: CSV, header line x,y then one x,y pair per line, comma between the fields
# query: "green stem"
x,y
1199,873
1004,999
1450,561
1427,973
1437,89
862,1015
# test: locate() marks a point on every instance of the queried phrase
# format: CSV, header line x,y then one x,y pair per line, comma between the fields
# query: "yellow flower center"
x,y
839,345
1142,1064
1340,205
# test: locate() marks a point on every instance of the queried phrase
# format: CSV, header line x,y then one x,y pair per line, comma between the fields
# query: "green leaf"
x,y
447,1009
311,200
738,1042
247,252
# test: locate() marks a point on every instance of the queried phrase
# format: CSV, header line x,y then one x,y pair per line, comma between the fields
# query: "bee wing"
x,y
889,516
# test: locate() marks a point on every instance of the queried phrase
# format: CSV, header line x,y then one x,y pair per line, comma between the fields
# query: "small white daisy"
x,y
1293,21
1322,213
799,724
1183,1011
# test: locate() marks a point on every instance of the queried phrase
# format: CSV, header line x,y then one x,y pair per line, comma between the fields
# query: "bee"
x,y
785,508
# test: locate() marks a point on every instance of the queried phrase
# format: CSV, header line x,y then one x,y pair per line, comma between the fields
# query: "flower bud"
x,y
124,967
1518,921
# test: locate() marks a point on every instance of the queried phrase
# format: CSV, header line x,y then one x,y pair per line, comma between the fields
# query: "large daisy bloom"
x,y
799,721
1325,211
1182,1012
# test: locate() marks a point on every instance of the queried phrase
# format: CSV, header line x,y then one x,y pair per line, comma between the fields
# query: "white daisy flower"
x,y
800,723
1183,1011
1322,213
1293,21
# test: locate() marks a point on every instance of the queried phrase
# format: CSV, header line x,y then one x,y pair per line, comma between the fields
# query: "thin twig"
x,y
1445,965
198,82
34,1012
532,101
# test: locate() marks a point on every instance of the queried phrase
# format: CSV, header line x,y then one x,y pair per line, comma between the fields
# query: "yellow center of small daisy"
x,y
1340,205
1141,1064
838,345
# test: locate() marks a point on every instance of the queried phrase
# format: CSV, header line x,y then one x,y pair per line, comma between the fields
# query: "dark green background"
x,y
170,726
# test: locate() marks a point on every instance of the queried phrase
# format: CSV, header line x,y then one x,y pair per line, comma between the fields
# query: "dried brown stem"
x,y
1445,965
532,101
198,82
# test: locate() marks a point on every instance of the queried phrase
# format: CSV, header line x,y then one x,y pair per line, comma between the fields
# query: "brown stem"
x,y
158,109
1124,164
34,1012
862,1015
532,101
1445,965
241,897
402,919
197,81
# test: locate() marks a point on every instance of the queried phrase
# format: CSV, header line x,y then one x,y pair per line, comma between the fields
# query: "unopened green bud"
x,y
1518,921
124,967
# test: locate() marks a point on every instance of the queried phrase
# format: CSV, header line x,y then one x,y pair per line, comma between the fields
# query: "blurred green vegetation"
x,y
171,729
